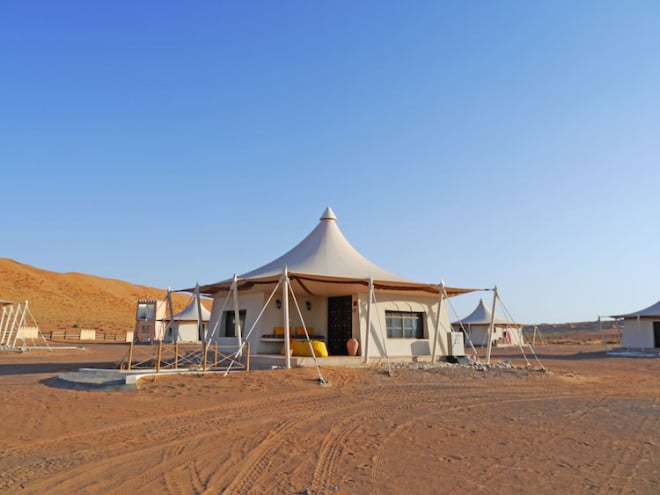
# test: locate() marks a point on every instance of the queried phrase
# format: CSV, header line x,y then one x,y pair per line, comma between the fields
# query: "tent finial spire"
x,y
328,214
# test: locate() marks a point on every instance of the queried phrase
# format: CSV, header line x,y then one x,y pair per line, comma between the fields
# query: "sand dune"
x,y
62,300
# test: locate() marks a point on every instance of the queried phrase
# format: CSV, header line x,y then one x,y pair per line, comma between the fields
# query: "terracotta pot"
x,y
352,346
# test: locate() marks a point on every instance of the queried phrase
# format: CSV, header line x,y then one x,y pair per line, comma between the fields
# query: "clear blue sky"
x,y
482,143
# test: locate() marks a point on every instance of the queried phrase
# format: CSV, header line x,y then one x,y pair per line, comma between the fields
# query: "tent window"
x,y
404,325
230,322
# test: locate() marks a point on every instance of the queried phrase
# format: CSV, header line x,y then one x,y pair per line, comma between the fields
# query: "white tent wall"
x,y
252,303
638,334
639,328
184,326
316,317
380,346
161,313
478,334
186,331
503,335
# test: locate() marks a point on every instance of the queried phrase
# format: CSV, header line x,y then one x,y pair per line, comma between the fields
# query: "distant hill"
x,y
66,300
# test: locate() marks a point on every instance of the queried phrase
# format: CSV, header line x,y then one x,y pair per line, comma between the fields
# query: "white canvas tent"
x,y
641,329
185,325
340,294
476,324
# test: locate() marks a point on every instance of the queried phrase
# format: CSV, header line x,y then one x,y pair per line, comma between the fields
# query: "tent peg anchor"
x,y
323,383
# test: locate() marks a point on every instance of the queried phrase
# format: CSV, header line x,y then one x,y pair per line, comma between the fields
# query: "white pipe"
x,y
285,316
200,321
18,326
5,331
4,325
437,323
13,323
491,326
368,332
237,314
2,321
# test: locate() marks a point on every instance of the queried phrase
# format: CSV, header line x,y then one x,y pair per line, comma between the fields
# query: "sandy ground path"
x,y
591,425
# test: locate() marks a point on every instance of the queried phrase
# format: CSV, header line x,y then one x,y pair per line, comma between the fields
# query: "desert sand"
x,y
72,300
589,425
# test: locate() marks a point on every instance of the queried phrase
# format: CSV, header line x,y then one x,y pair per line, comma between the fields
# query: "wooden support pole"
x,y
247,358
130,356
159,355
176,355
204,349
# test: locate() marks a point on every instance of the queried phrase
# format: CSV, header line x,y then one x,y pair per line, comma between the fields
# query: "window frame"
x,y
417,333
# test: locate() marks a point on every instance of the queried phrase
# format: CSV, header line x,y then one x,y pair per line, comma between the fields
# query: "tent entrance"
x,y
656,334
340,324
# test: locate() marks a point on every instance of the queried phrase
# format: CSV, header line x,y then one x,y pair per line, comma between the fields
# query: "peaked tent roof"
x,y
325,251
481,316
326,257
190,313
650,312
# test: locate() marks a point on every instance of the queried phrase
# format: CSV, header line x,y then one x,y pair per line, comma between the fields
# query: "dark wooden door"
x,y
656,333
340,324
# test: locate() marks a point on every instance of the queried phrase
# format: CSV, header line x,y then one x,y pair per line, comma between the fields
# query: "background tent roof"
x,y
190,313
326,257
481,316
650,312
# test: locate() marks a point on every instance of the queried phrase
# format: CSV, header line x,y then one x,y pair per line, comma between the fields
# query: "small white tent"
x,y
641,329
342,295
476,324
185,324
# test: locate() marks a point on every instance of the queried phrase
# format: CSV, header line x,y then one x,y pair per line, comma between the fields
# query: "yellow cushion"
x,y
302,348
283,349
279,331
319,348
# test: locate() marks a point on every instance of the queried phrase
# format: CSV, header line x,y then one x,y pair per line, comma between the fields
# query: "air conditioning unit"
x,y
456,345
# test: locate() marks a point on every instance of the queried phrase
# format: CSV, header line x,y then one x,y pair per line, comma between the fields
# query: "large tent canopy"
x,y
652,311
325,263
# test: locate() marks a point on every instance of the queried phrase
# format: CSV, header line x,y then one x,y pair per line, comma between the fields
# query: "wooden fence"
x,y
76,333
202,356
